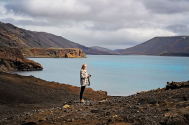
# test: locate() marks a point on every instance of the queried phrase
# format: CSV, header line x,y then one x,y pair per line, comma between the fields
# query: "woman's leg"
x,y
81,92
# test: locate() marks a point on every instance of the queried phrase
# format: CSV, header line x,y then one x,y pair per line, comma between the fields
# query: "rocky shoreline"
x,y
28,100
12,59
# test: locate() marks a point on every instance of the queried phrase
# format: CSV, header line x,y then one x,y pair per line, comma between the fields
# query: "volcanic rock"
x,y
12,59
177,85
54,52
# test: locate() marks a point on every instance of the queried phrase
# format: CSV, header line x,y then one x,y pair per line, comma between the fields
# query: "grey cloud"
x,y
39,22
106,26
26,22
111,11
104,15
110,15
101,22
101,26
17,7
36,8
105,38
167,6
180,29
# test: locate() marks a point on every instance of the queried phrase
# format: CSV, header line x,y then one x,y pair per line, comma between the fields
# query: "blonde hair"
x,y
83,66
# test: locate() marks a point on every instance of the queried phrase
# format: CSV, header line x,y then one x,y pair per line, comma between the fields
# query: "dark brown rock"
x,y
176,85
102,92
12,59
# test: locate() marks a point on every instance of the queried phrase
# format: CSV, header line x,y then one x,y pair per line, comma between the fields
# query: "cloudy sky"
x,y
114,24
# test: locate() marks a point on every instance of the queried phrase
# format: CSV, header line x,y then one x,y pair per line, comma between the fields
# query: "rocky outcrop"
x,y
54,52
102,92
12,59
176,85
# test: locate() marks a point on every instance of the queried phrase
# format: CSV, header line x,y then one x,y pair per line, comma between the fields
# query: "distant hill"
x,y
13,36
97,48
160,46
101,49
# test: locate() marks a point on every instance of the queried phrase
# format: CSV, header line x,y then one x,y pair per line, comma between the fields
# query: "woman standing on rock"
x,y
84,80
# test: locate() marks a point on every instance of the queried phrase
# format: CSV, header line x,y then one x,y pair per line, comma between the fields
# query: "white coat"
x,y
84,80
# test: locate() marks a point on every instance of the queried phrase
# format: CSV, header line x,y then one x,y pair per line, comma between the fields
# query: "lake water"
x,y
117,74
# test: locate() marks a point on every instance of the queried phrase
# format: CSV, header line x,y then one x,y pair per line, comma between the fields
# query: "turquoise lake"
x,y
119,75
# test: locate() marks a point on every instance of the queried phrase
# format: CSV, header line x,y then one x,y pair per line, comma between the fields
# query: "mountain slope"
x,y
97,48
16,37
13,36
101,49
160,45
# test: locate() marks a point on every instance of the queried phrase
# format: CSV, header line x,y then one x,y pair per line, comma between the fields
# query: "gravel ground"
x,y
166,106
21,94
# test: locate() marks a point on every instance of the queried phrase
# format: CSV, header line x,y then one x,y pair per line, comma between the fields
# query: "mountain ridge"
x,y
98,48
12,36
159,45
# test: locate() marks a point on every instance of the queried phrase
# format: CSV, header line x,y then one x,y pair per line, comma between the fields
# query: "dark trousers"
x,y
81,92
